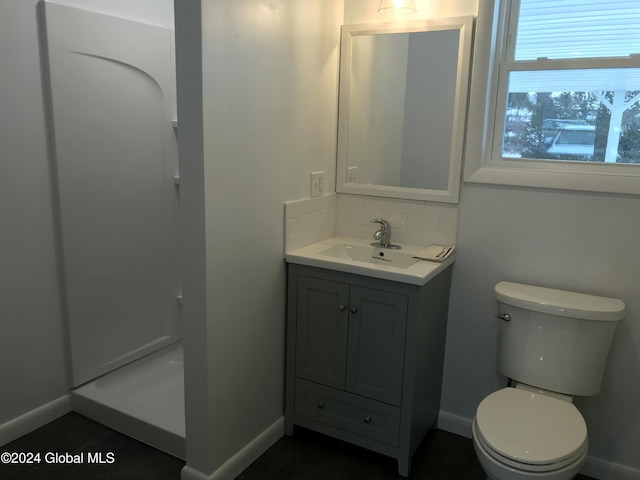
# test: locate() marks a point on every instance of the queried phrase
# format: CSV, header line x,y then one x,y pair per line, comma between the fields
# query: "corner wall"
x,y
269,95
32,349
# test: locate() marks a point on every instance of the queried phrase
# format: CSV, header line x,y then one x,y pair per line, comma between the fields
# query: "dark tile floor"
x,y
305,456
311,456
75,434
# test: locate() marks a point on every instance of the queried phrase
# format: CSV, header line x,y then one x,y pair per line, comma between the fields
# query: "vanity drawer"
x,y
359,415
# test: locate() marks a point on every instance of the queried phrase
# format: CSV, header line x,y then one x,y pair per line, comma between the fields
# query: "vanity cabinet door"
x,y
377,331
321,337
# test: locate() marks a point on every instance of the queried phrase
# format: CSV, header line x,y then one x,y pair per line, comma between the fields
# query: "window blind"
x,y
564,29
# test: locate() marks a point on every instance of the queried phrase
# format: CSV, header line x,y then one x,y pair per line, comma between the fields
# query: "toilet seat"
x,y
530,431
515,465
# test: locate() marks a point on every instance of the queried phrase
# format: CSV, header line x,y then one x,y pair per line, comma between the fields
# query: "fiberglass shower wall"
x,y
112,91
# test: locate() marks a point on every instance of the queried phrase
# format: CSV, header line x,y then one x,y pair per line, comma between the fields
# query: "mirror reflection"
x,y
402,102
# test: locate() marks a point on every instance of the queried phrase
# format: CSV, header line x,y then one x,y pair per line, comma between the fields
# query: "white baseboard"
x,y
189,473
450,422
604,470
34,419
242,459
593,467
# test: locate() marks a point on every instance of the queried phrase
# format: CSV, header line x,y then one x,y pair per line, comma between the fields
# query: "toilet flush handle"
x,y
506,317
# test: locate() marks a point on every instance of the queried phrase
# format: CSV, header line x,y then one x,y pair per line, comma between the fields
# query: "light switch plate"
x,y
317,184
352,174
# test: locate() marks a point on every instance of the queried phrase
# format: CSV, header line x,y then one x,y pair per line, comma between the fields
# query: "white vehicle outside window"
x,y
564,93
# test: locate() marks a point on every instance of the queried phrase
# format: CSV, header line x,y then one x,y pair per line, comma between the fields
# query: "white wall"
x,y
269,95
188,35
155,12
366,11
32,351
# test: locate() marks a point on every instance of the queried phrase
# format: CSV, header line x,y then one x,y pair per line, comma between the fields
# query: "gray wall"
x,y
32,350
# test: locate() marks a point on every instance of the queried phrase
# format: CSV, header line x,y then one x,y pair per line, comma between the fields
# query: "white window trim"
x,y
481,168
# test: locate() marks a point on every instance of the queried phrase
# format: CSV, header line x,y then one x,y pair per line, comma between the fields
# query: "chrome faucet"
x,y
383,235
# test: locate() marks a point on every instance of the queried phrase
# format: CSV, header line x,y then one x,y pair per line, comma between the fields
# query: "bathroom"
x,y
269,119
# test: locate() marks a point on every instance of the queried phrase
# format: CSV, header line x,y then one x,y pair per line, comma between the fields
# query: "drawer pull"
x,y
341,307
320,405
367,420
354,309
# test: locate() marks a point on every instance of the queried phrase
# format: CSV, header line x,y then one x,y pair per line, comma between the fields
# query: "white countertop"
x,y
417,274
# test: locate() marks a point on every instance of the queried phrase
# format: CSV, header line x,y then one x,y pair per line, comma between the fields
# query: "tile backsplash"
x,y
413,222
309,220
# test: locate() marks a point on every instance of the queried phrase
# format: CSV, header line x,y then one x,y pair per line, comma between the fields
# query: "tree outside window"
x,y
570,77
536,122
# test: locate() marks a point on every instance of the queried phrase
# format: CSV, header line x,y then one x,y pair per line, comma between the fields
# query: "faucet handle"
x,y
385,225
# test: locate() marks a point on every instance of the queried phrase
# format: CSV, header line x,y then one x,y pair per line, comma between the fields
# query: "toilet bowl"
x,y
553,344
521,433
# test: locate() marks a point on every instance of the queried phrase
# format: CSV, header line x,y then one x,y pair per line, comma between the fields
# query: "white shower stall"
x,y
114,146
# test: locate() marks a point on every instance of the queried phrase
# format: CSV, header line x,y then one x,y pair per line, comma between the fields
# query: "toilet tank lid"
x,y
560,302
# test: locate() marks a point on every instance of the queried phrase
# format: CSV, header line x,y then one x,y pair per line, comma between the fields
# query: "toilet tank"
x,y
555,340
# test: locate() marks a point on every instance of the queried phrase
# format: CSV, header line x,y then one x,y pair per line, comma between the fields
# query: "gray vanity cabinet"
x,y
351,338
364,358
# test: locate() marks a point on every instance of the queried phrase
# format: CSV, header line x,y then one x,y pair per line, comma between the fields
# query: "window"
x,y
566,83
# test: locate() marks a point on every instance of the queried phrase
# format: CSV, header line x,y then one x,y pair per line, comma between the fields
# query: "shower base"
x,y
144,400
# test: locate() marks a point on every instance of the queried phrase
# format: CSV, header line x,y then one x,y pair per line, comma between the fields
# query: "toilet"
x,y
553,345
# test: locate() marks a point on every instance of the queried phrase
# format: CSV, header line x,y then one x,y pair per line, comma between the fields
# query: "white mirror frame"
x,y
464,26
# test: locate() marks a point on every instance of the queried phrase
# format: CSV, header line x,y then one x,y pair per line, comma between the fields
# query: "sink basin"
x,y
369,254
356,255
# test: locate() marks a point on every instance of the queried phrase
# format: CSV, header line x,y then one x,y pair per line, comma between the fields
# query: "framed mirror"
x,y
402,108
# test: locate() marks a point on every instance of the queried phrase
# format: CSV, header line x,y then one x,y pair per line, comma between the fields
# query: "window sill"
x,y
587,182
